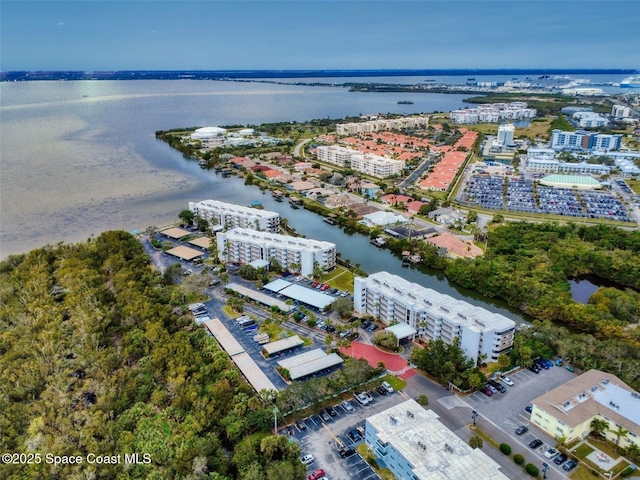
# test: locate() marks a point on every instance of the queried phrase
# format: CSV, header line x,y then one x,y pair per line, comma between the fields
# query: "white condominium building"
x,y
244,246
381,125
493,112
234,216
375,165
367,163
335,154
505,134
545,165
434,315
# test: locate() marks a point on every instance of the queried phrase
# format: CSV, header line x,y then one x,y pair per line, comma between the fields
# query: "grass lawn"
x,y
633,185
274,331
368,457
582,451
535,129
395,382
605,447
231,313
339,278
582,473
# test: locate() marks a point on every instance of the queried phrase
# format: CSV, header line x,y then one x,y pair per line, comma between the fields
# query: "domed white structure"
x,y
246,132
208,132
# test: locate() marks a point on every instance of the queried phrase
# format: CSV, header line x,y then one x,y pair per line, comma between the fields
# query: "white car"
x,y
507,381
552,452
347,405
362,399
307,459
387,387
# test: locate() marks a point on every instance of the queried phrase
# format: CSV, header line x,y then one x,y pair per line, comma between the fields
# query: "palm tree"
x,y
620,433
598,426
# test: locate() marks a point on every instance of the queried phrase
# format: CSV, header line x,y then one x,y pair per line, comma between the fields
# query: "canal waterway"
x,y
79,158
356,248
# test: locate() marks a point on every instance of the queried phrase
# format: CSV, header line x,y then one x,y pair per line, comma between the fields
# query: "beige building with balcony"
x,y
567,411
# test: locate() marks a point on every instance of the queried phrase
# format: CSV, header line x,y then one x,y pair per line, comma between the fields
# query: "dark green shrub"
x,y
532,469
505,448
626,472
519,459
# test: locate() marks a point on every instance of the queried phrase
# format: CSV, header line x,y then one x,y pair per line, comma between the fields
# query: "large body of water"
x,y
79,158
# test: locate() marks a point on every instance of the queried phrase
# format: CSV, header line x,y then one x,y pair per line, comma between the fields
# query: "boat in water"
x,y
631,82
405,102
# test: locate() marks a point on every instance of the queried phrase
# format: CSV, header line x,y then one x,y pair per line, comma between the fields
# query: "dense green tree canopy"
x,y
95,360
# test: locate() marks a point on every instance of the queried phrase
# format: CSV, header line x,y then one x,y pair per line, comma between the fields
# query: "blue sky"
x,y
217,35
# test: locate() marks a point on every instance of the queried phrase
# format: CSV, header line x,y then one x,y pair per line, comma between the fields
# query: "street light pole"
x,y
545,467
474,415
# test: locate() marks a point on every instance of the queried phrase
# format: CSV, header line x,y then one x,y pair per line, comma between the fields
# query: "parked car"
x,y
362,399
308,459
535,443
497,386
353,435
570,465
547,363
317,475
346,452
507,381
360,431
550,453
368,396
521,430
560,459
325,416
487,392
535,369
529,408
332,411
380,389
387,387
301,425
346,404
492,388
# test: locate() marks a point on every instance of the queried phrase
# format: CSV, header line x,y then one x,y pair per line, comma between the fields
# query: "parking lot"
x,y
518,194
507,410
318,436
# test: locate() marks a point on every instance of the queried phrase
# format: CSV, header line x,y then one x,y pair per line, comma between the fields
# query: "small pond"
x,y
584,286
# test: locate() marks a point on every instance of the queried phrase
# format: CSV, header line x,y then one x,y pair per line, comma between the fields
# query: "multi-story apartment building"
x,y
581,140
382,124
243,245
335,154
546,165
434,315
567,411
235,216
505,134
620,111
412,443
493,112
590,120
374,165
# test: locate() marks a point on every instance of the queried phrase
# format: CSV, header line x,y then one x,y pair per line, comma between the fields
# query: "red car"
x,y
317,474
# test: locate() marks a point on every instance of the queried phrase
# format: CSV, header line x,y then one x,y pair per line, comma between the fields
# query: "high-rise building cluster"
x,y
493,113
381,125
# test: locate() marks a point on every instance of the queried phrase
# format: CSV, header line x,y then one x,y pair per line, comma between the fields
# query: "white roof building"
x,y
208,132
383,218
415,445
233,216
374,165
434,315
244,245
